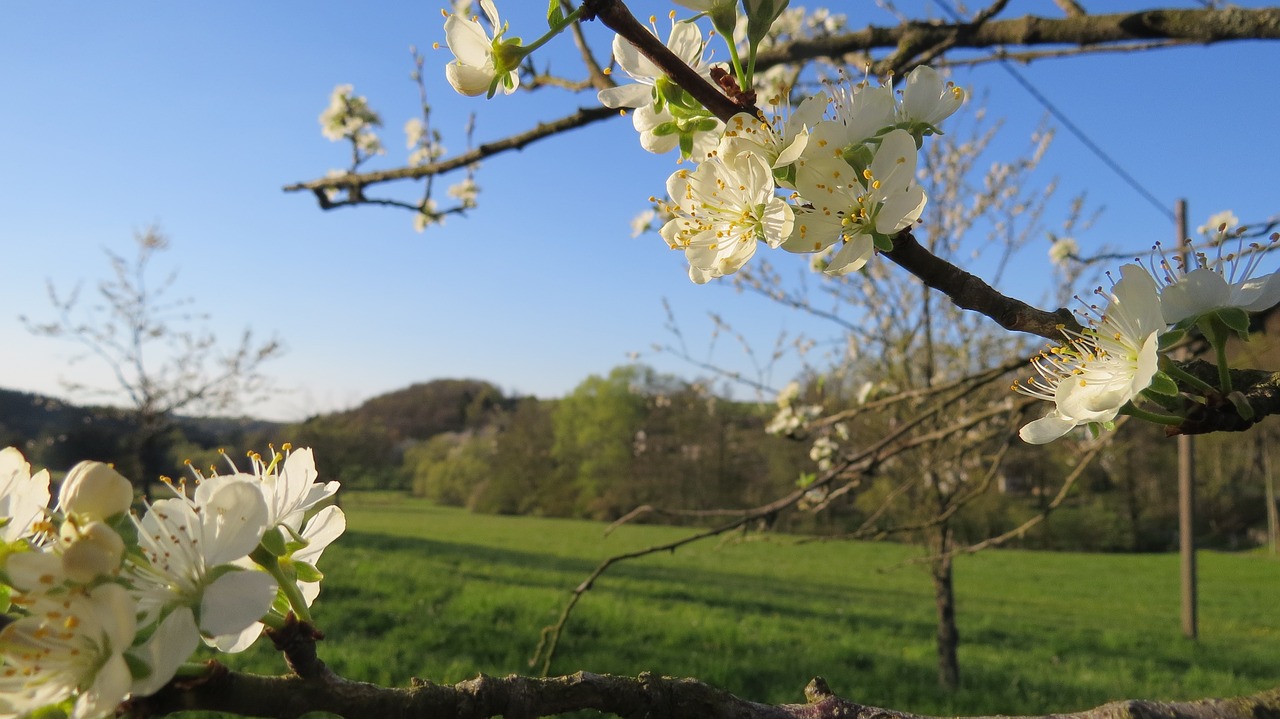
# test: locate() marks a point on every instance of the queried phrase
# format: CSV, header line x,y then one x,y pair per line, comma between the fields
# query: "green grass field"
x,y
418,590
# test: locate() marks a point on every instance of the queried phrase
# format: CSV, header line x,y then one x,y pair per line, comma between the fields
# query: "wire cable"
x,y
1071,127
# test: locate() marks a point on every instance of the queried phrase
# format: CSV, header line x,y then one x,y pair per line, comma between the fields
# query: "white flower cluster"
x,y
424,146
100,604
848,160
349,117
1092,377
792,417
665,115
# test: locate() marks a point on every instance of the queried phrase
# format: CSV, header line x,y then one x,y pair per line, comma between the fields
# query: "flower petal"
x,y
1046,429
169,646
235,601
629,95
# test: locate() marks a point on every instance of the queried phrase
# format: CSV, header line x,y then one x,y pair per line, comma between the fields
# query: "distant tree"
x,y
596,431
448,468
163,359
524,474
360,454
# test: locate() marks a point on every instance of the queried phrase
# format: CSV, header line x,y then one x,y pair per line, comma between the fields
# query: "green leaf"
x,y
1169,339
884,243
273,541
686,144
1163,384
60,710
806,479
666,128
281,604
706,124
138,669
668,91
1243,408
555,15
124,526
1235,318
307,572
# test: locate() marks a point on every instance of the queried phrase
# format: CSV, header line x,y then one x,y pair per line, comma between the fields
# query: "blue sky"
x,y
193,116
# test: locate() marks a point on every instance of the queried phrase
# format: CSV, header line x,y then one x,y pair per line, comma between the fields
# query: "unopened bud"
x,y
95,490
94,550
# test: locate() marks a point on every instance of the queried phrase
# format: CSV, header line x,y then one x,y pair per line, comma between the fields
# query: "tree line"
x,y
635,437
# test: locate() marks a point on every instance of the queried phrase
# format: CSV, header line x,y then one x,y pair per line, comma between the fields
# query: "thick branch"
x,y
645,695
1261,389
615,16
971,293
1201,26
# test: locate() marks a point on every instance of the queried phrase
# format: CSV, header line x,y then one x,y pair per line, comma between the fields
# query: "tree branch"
x,y
970,293
646,695
1201,26
356,180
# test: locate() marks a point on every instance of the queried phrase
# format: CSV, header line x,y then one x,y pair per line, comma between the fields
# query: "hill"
x,y
421,411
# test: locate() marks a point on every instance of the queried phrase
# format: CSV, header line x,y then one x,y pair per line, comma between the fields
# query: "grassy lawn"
x,y
418,590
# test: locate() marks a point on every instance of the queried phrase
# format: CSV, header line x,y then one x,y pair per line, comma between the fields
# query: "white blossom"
x,y
1219,222
852,208
779,144
69,646
349,117
1062,250
927,100
684,40
482,64
1225,281
661,132
191,546
23,496
1090,378
722,210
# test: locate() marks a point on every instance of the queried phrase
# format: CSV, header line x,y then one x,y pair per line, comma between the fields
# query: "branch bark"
x,y
1201,26
647,695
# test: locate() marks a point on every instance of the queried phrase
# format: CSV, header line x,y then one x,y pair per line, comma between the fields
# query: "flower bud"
x,y
94,550
95,490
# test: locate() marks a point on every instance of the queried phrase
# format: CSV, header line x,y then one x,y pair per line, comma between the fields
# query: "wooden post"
x,y
1186,485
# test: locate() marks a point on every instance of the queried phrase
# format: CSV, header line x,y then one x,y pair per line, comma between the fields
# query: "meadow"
x,y
416,590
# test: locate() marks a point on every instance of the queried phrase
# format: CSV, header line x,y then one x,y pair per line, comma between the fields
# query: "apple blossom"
x,y
779,146
1091,377
927,101
69,646
90,550
1224,282
191,545
1063,249
349,117
722,210
651,86
856,208
861,112
1219,222
23,496
482,64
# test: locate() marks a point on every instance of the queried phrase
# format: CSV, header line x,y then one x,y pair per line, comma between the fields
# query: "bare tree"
x,y
164,361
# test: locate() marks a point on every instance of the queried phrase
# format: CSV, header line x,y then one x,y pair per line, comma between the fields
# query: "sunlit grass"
x,y
417,590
